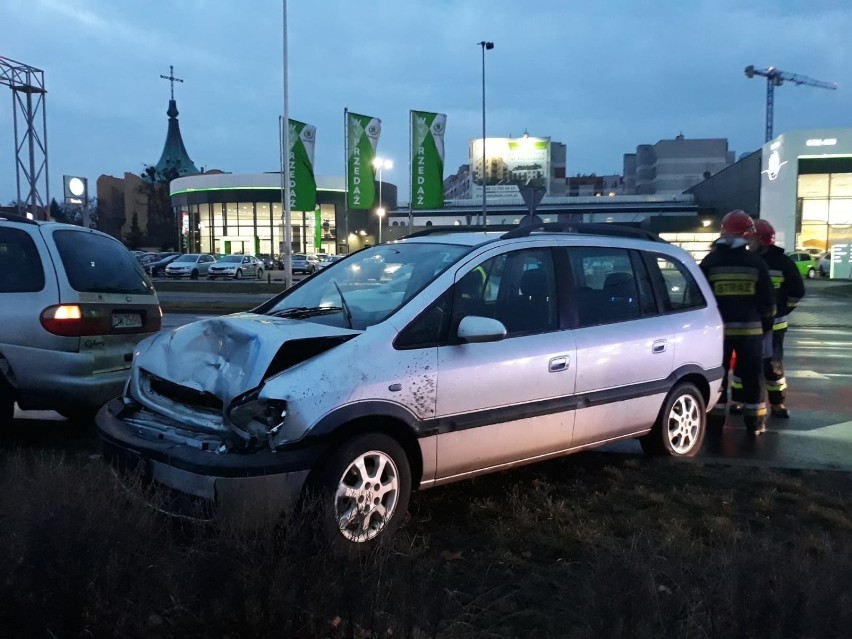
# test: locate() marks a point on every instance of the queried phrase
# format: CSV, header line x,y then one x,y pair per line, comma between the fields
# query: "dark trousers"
x,y
773,369
748,371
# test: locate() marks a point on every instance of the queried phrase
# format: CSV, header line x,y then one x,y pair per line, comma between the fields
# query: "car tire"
x,y
194,275
811,273
7,404
238,275
355,510
681,425
260,273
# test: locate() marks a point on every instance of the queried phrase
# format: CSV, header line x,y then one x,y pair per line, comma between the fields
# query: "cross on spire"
x,y
171,78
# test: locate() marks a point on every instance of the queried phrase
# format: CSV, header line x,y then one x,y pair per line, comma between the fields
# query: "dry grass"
x,y
588,546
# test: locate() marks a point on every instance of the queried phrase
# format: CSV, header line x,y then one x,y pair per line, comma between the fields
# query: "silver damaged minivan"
x,y
441,356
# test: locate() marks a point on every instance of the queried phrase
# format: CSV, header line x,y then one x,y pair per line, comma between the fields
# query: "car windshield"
x,y
187,258
298,256
366,287
231,258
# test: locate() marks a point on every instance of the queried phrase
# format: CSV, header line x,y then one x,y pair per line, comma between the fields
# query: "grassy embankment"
x,y
593,545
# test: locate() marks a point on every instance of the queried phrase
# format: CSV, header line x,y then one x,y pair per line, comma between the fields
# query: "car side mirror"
x,y
474,329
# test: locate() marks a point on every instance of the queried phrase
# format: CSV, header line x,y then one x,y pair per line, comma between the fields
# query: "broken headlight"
x,y
257,419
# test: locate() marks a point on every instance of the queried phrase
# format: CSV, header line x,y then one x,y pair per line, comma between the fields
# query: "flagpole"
x,y
285,165
410,176
346,176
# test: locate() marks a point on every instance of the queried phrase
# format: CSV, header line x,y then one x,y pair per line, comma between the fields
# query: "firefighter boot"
x,y
779,410
755,426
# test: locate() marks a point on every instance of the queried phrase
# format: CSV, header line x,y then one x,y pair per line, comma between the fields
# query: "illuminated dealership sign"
x,y
510,163
773,165
75,189
821,142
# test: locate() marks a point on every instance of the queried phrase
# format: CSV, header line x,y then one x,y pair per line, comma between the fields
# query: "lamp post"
x,y
379,164
380,212
285,162
486,46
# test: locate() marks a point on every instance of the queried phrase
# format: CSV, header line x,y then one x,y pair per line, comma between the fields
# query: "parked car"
x,y
473,352
305,263
155,269
74,303
266,260
191,265
329,260
825,264
805,262
236,266
146,257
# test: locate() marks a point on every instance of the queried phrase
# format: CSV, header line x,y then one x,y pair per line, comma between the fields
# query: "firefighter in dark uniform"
x,y
789,289
746,299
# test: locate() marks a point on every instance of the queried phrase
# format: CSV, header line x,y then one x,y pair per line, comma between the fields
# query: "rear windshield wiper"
x,y
301,312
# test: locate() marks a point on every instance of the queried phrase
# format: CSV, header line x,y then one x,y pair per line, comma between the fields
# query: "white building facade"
x,y
806,188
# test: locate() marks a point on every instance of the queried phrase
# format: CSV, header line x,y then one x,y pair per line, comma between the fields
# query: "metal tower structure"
x,y
775,78
28,105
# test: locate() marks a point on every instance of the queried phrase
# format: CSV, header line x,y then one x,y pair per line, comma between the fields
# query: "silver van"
x,y
419,362
74,303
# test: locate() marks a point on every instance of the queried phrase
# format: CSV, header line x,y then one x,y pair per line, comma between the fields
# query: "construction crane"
x,y
775,78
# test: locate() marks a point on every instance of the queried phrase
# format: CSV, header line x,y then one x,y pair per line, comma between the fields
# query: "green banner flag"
x,y
318,229
362,133
303,184
427,159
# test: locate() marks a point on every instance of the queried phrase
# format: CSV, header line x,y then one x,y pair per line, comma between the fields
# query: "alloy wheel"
x,y
367,496
683,425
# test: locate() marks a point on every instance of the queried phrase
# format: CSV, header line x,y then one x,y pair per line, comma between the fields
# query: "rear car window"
x,y
605,285
21,270
681,291
97,264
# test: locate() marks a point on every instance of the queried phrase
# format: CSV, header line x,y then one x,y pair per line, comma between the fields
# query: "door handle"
x,y
558,364
659,346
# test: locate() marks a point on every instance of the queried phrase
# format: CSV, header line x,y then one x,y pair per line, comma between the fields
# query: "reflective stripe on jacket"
x,y
787,281
743,289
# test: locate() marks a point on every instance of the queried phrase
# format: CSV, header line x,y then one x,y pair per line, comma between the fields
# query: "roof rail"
x,y
434,230
585,228
12,217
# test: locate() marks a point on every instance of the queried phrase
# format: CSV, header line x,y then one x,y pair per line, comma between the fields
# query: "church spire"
x,y
174,154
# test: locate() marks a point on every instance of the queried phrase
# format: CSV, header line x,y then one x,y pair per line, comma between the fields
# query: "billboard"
x,y
509,163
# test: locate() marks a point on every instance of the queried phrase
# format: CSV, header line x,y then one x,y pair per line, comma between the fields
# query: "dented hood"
x,y
226,356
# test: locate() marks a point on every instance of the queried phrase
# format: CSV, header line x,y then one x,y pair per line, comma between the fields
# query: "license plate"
x,y
126,320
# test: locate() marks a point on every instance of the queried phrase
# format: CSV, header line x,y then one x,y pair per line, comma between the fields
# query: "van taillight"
x,y
73,320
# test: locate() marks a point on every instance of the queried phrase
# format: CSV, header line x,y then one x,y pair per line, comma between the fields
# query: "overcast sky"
x,y
602,77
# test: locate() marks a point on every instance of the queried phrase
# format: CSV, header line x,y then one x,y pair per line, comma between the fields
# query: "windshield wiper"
x,y
346,310
301,312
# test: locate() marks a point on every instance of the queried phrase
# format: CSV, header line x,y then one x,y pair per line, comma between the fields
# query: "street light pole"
x,y
485,46
379,164
285,165
380,212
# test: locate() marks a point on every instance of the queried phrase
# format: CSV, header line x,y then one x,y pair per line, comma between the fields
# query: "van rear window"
x,y
20,265
98,264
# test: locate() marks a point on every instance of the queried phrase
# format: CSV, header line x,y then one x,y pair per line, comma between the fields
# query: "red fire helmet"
x,y
765,232
738,224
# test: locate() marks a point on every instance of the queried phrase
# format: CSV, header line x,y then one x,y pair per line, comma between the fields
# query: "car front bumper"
x,y
244,486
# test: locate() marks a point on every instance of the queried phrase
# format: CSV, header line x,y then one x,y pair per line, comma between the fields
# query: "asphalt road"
x,y
819,371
